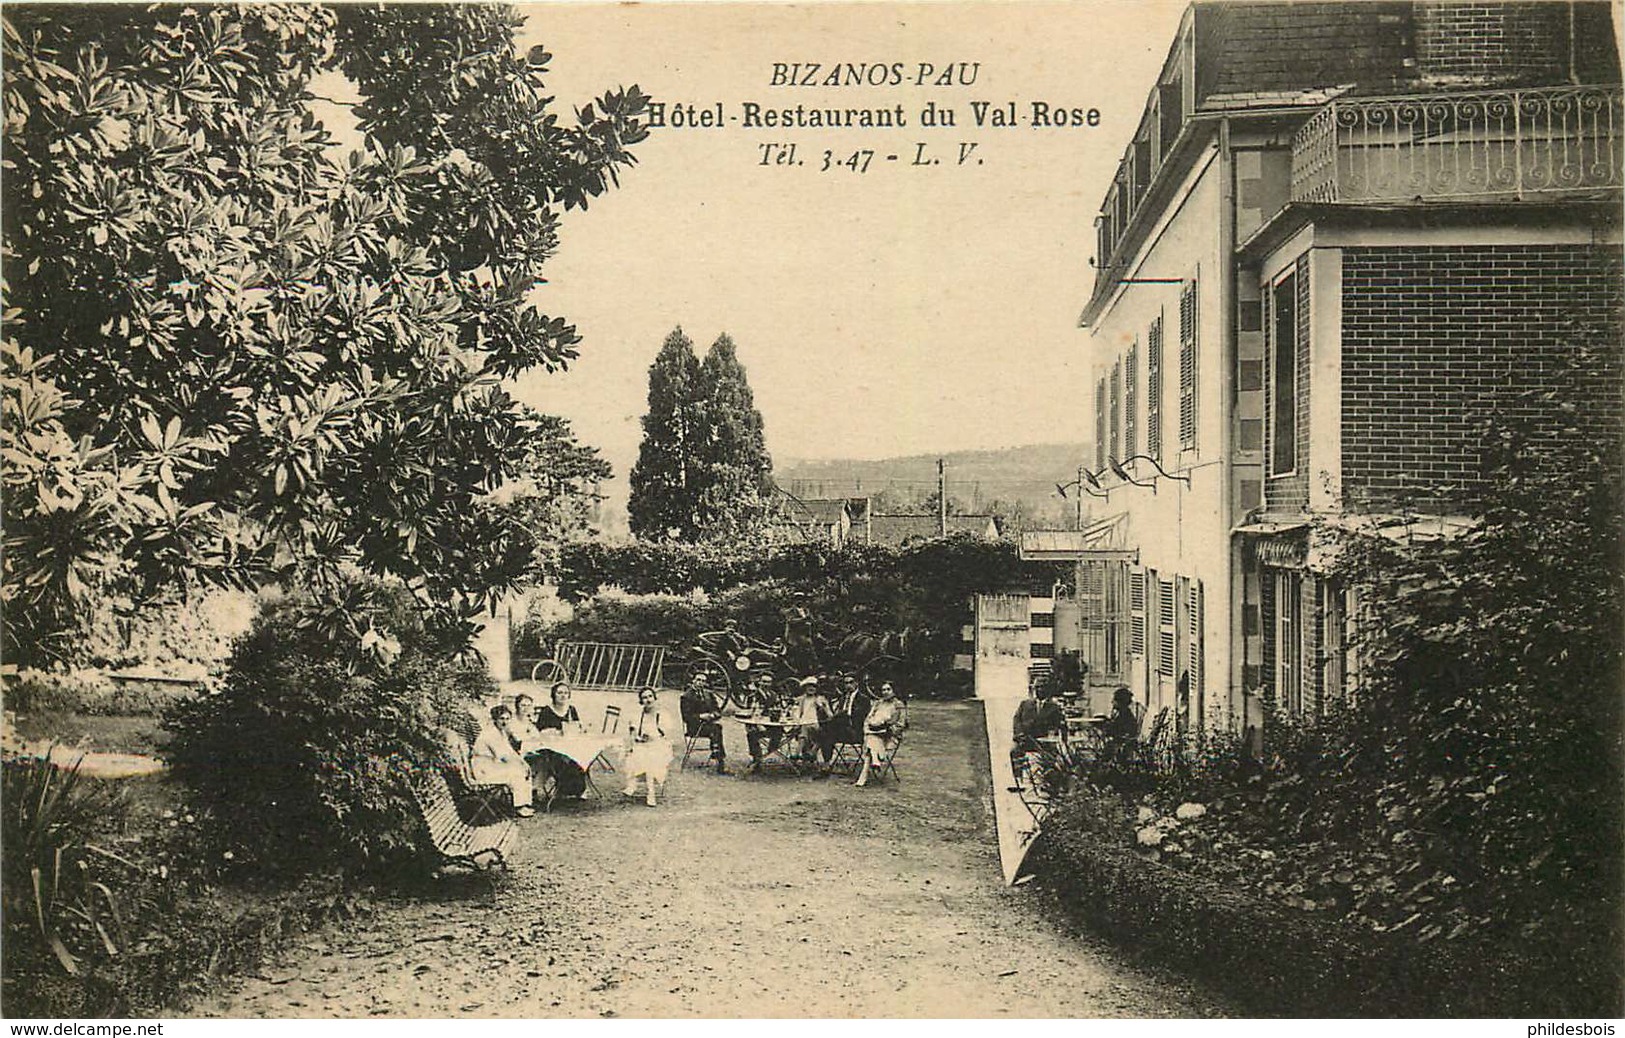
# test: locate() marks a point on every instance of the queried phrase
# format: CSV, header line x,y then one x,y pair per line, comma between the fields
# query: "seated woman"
x,y
559,714
521,728
650,753
882,731
493,760
1123,727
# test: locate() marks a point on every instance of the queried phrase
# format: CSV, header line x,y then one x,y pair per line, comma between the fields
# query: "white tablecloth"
x,y
581,748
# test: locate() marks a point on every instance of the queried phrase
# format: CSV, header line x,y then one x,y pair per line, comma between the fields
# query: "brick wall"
x,y
1278,46
1492,42
1436,339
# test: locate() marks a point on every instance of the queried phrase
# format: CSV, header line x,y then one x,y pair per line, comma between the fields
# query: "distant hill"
x,y
1015,482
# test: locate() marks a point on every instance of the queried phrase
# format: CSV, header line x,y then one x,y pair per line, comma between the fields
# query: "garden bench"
x,y
454,830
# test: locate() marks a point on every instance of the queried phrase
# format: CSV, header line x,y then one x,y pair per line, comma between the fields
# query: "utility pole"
x,y
942,497
1079,521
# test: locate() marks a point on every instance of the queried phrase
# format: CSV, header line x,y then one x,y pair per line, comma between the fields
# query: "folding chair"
x,y
1029,789
611,725
483,803
691,743
877,774
848,755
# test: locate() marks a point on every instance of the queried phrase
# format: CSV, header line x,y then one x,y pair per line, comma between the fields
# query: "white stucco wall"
x,y
1179,530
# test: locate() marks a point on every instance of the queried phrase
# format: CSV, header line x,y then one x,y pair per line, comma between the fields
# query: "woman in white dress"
x,y
882,732
650,753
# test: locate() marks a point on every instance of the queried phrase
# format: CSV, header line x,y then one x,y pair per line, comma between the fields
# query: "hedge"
x,y
1280,961
915,598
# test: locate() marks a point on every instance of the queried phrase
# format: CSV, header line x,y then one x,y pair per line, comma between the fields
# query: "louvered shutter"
x,y
1153,389
1167,661
1131,432
1100,427
1187,367
1136,613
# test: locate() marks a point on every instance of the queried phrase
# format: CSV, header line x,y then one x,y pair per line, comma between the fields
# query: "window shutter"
x,y
1187,367
1131,432
1195,641
1153,390
1136,613
1100,427
1167,662
1115,434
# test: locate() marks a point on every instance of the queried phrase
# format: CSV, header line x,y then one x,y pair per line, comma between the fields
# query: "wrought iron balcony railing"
x,y
1492,144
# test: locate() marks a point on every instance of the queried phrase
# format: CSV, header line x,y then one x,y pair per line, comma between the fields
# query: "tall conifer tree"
x,y
665,480
736,471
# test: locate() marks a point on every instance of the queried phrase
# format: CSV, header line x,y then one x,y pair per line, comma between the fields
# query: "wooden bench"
x,y
459,835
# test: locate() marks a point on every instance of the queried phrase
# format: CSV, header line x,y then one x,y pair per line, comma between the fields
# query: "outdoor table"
x,y
584,749
781,752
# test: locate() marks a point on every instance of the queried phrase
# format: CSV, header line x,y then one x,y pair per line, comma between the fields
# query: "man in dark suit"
x,y
702,715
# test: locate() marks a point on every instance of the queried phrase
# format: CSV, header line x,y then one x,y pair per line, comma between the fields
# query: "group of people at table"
x,y
817,716
525,746
1041,723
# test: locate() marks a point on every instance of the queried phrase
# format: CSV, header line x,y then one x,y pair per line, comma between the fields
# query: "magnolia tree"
x,y
236,352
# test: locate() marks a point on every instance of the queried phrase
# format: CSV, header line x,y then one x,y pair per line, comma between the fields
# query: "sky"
x,y
905,309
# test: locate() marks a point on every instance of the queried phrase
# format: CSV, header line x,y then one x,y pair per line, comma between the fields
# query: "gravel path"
x,y
768,896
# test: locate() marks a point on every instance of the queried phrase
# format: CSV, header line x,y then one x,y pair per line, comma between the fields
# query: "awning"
x,y
1102,539
1281,543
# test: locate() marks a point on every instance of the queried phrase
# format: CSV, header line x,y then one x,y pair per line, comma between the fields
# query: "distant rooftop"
x,y
903,529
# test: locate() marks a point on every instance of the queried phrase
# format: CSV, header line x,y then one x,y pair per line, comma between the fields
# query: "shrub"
x,y
89,692
294,756
1271,958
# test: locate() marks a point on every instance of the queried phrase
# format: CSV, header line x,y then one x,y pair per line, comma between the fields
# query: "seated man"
x,y
850,707
760,699
702,716
813,712
1037,716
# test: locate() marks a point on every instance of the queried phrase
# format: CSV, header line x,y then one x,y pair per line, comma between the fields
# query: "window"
x,y
1100,427
1170,114
1187,367
1283,380
1131,432
1153,390
1115,434
1339,665
1289,641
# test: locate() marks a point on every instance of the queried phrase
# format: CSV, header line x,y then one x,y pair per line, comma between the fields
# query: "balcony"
x,y
1492,145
